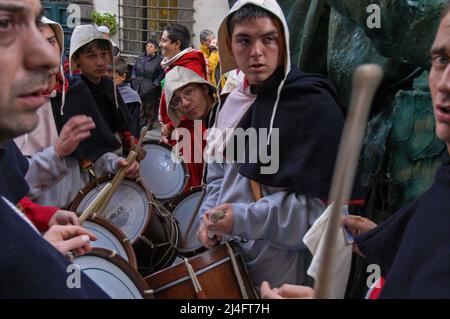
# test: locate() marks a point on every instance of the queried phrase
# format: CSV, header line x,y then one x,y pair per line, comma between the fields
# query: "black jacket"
x,y
147,75
412,247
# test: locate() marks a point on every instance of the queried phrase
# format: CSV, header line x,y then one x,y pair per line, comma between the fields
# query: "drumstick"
x,y
366,80
91,208
118,178
143,133
193,216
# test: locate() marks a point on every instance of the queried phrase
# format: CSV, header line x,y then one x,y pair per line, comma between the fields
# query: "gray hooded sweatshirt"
x,y
271,229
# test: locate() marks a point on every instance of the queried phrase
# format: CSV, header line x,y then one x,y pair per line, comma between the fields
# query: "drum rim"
x,y
172,205
110,226
176,201
117,260
182,162
105,178
200,262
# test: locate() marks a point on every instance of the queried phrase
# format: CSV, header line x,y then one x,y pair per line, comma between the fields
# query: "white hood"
x,y
82,35
177,78
227,60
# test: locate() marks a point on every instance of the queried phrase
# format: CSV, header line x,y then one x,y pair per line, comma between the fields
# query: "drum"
x,y
165,178
113,274
111,237
151,230
220,273
182,209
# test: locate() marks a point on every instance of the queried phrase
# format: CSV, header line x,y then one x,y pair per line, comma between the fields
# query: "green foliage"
x,y
107,20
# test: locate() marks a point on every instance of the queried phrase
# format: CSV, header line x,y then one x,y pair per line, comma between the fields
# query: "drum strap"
x,y
236,271
256,190
88,166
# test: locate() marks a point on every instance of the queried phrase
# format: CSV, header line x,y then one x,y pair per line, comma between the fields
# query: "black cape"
x,y
413,246
310,121
13,167
79,100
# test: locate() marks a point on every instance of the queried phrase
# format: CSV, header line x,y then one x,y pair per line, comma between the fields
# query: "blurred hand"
x,y
286,291
202,235
73,132
358,225
133,171
64,217
213,45
166,132
70,238
139,150
224,225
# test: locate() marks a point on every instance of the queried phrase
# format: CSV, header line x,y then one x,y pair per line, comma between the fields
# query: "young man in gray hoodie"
x,y
268,210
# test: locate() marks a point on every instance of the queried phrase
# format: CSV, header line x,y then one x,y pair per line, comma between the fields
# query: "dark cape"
x,y
310,121
103,93
13,167
413,246
79,100
29,266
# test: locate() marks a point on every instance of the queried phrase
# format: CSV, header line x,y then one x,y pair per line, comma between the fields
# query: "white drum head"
x,y
183,213
108,276
128,208
165,178
105,239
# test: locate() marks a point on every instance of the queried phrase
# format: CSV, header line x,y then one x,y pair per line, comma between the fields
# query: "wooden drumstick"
x,y
143,133
214,217
366,80
118,178
90,210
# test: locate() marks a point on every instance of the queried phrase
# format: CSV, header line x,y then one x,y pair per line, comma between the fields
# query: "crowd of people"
x,y
60,130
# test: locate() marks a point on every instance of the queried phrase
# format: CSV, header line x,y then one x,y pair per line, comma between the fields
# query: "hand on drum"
x,y
64,217
286,291
67,238
73,132
222,226
133,171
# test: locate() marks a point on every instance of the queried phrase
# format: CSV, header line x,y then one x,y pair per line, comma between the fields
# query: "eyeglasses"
x,y
187,93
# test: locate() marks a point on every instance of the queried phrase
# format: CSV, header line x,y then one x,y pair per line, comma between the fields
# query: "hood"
x,y
227,60
58,30
175,79
82,35
59,34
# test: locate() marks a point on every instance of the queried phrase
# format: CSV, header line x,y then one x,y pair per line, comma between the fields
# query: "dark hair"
x,y
155,44
205,34
178,32
120,65
97,43
246,13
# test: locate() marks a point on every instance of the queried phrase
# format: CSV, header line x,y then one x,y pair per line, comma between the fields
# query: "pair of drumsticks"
x,y
101,201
